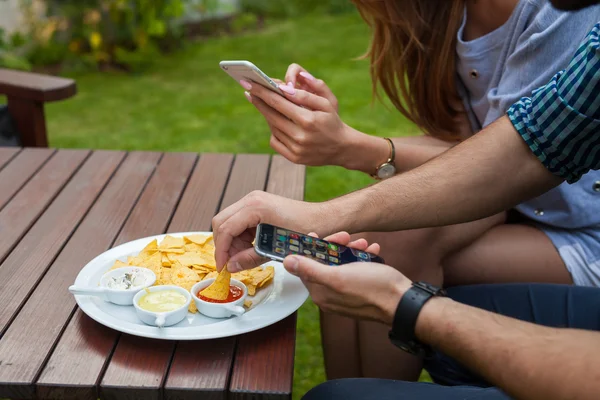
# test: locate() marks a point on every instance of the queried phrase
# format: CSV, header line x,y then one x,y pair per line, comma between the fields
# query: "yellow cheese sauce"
x,y
162,301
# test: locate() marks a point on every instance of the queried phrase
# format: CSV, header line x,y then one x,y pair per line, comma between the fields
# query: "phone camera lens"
x,y
224,67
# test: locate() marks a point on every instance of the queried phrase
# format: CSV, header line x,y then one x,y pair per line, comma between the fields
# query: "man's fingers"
x,y
309,270
342,238
374,249
359,244
233,227
246,259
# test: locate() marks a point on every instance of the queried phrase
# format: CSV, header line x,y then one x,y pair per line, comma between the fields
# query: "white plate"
x,y
281,298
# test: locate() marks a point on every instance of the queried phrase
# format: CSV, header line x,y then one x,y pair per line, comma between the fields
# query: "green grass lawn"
x,y
186,103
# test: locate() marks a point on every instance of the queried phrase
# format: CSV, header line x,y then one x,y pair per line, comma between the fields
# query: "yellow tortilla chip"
x,y
210,275
165,261
171,242
192,308
184,277
247,303
192,247
201,269
153,262
197,239
149,250
165,277
189,259
172,251
119,264
270,273
251,289
219,289
209,248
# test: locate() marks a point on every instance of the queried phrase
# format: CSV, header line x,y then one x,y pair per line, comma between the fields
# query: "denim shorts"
x,y
580,251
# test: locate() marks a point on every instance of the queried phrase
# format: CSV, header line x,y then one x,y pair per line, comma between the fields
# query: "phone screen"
x,y
277,243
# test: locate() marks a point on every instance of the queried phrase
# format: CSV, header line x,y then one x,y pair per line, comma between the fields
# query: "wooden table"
x,y
61,208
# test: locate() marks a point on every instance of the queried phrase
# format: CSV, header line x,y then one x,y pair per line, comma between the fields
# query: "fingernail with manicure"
x,y
245,84
291,84
248,96
307,76
288,89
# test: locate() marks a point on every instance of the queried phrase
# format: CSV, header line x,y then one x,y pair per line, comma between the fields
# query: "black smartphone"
x,y
277,243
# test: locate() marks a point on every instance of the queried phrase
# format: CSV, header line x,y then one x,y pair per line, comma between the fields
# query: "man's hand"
x,y
359,290
235,227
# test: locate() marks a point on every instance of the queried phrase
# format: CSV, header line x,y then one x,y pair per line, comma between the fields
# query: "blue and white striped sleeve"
x,y
561,121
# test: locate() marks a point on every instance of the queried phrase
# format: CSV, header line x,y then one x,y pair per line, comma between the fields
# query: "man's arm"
x,y
488,173
527,361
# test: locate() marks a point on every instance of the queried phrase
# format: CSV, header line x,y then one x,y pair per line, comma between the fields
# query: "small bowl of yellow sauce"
x,y
163,305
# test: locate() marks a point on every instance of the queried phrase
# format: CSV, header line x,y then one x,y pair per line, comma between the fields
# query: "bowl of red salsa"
x,y
229,307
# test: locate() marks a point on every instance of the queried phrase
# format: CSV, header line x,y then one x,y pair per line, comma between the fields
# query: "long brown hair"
x,y
413,58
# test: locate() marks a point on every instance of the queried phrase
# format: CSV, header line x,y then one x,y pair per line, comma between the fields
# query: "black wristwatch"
x,y
402,334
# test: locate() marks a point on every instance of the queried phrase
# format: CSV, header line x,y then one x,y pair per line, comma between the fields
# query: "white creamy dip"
x,y
127,280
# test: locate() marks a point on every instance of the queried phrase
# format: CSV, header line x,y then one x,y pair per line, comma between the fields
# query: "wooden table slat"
x,y
258,351
20,169
50,305
203,367
29,203
34,254
7,154
85,339
138,367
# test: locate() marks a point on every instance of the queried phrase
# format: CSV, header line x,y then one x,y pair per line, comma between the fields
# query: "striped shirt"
x,y
560,122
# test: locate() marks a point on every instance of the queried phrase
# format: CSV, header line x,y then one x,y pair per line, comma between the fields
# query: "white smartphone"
x,y
247,71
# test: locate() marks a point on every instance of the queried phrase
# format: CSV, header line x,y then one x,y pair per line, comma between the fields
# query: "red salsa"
x,y
234,294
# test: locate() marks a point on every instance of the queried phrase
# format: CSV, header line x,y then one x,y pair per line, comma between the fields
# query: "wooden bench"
x,y
27,93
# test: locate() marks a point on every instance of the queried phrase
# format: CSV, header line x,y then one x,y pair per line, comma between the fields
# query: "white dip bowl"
x,y
161,319
219,310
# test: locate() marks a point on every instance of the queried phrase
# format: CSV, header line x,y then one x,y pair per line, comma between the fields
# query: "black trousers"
x,y
549,305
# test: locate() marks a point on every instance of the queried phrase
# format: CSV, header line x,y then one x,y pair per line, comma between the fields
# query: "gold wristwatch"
x,y
387,169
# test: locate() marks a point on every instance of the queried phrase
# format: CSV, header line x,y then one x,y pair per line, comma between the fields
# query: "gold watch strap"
x,y
390,159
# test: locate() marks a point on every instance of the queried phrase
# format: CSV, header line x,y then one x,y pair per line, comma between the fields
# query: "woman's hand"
x,y
298,77
305,126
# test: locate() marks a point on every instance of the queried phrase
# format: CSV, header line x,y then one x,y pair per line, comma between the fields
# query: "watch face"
x,y
386,171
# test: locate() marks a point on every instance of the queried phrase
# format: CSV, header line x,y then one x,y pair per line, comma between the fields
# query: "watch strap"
x,y
405,320
391,157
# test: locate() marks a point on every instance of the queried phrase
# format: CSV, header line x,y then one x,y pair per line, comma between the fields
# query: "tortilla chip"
x,y
149,250
201,269
247,303
219,289
165,277
165,261
153,263
135,261
172,251
209,248
193,248
251,289
197,239
270,273
184,277
210,275
192,308
119,264
189,259
171,242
